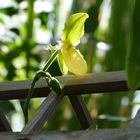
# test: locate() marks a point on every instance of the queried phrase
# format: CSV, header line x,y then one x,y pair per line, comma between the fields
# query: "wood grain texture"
x,y
42,114
81,111
135,123
73,85
4,124
87,84
108,134
130,133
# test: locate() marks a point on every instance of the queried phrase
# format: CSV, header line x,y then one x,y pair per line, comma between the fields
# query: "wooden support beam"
x,y
135,123
81,111
130,133
43,113
87,84
108,134
4,124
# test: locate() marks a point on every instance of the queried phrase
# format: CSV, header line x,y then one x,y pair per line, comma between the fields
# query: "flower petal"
x,y
74,60
74,28
62,64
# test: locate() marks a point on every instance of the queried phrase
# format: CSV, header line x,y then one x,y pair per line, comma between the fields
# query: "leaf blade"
x,y
133,59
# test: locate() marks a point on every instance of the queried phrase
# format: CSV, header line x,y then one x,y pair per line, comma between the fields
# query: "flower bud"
x,y
55,85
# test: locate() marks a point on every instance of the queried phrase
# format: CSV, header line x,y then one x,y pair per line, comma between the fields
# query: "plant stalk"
x,y
36,78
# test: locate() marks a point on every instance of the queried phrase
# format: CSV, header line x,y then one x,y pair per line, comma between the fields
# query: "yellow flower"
x,y
70,59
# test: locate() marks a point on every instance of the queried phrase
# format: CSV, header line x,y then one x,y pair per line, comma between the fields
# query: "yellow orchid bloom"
x,y
70,59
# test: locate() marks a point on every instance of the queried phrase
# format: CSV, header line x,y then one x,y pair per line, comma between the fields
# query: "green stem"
x,y
50,61
29,97
36,78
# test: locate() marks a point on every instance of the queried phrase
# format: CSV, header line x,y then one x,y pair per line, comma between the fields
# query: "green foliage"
x,y
133,59
69,32
115,57
7,106
92,23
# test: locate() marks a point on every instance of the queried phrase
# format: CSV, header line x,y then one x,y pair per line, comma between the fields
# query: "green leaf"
x,y
74,28
117,36
7,106
133,59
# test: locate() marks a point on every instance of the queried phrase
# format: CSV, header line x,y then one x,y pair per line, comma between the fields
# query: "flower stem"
x,y
50,61
36,78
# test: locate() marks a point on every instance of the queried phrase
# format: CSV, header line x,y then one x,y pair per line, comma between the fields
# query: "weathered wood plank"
x,y
90,83
4,124
81,111
43,113
135,123
19,89
131,133
110,134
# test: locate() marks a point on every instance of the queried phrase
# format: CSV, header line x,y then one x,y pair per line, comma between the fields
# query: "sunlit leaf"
x,y
133,59
74,28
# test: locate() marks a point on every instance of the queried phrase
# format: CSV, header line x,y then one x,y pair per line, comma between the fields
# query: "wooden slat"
x,y
135,123
19,89
43,113
90,83
81,111
4,124
108,134
130,133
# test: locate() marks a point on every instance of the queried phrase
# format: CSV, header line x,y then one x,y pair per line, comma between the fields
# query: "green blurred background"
x,y
27,26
